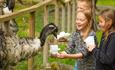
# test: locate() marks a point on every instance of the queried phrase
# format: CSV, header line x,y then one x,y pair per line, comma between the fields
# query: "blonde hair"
x,y
89,19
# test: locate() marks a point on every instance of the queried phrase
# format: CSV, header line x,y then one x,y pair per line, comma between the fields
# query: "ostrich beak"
x,y
55,31
55,34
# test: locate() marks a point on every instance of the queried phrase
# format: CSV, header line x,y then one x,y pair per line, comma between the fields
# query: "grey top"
x,y
77,45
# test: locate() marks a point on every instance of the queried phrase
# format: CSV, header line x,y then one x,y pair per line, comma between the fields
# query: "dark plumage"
x,y
51,28
10,4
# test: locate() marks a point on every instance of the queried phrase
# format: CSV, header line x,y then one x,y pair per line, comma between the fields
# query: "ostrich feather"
x,y
6,10
10,4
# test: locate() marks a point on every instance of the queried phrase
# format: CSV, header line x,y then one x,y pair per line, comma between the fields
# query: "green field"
x,y
23,25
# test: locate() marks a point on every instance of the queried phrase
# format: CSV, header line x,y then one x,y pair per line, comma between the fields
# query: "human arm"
x,y
76,48
65,55
79,47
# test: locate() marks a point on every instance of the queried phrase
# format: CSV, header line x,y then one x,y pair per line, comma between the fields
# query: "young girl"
x,y
79,41
84,5
105,54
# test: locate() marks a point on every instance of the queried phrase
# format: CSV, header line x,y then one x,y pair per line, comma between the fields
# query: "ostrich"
x,y
13,49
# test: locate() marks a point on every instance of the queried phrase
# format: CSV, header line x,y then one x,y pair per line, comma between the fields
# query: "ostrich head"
x,y
10,4
13,26
48,30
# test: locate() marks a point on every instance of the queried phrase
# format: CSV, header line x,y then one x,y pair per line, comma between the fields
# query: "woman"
x,y
77,46
105,56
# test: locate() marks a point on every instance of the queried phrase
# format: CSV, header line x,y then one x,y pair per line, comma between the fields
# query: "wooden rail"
x,y
24,11
104,7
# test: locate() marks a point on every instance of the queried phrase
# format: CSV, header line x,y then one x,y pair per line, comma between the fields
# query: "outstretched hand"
x,y
59,55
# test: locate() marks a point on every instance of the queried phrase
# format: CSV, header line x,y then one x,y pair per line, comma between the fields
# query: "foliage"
x,y
106,2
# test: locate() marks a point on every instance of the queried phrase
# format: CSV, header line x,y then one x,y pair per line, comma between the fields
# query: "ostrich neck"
x,y
43,37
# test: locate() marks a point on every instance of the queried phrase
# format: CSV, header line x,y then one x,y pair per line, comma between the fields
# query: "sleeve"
x,y
83,49
107,57
71,45
96,50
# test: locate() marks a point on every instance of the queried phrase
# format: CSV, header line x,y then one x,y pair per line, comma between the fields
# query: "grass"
x,y
23,32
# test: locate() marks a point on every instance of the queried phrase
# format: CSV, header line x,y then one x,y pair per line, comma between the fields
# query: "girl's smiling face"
x,y
104,23
81,21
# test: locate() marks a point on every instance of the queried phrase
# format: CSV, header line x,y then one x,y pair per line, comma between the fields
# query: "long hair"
x,y
108,14
89,19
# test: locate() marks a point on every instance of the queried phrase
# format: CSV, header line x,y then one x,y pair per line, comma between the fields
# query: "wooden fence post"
x,y
31,34
45,48
63,24
94,15
73,14
56,13
68,17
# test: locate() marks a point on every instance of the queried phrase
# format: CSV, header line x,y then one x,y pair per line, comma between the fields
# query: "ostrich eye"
x,y
51,27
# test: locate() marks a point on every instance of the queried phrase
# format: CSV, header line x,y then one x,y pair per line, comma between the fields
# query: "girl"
x,y
78,43
105,57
